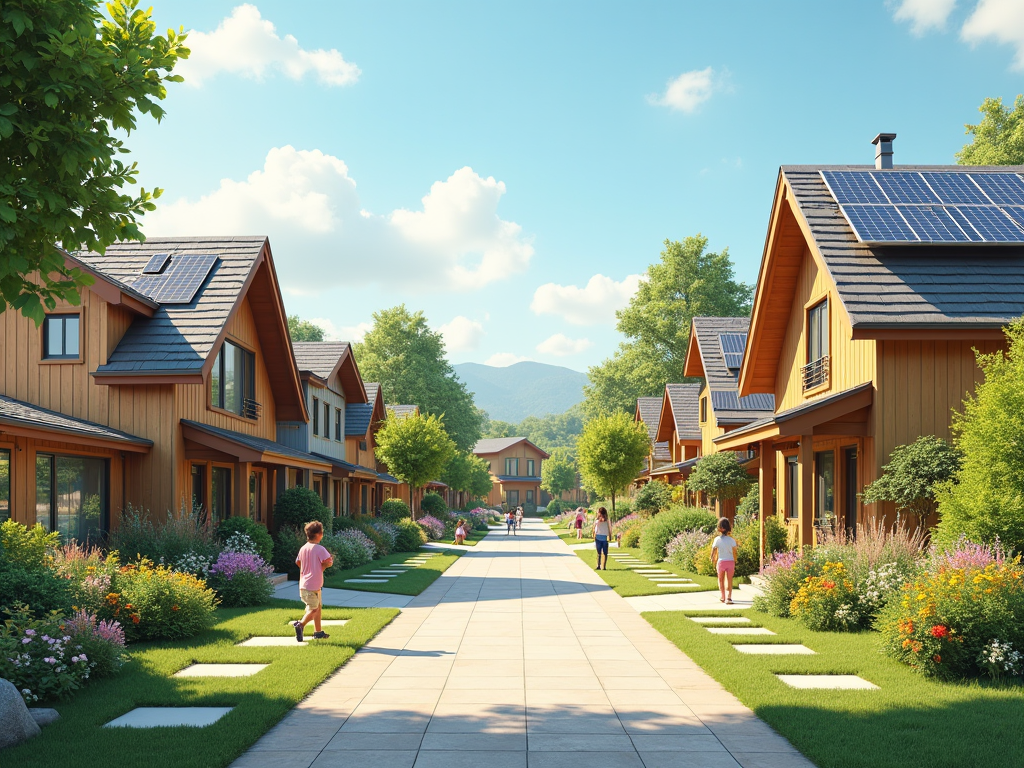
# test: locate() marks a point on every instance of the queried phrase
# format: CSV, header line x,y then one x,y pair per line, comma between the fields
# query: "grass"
x,y
412,582
259,701
910,721
569,537
629,584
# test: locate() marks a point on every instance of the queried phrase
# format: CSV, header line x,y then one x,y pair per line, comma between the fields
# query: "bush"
x,y
351,548
375,530
751,503
747,532
387,533
555,506
153,602
631,535
654,497
40,659
783,574
261,538
103,642
241,579
42,591
394,509
88,571
434,505
684,548
298,506
433,527
287,543
27,547
529,508
827,603
410,536
776,536
662,529
138,538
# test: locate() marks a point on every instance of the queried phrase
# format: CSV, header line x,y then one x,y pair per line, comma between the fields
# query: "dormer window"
x,y
233,381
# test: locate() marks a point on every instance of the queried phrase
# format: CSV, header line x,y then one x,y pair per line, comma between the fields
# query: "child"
x,y
723,552
313,559
602,532
519,517
460,532
581,515
510,523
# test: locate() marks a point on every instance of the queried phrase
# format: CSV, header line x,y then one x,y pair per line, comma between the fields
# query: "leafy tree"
x,y
687,282
988,498
470,473
611,452
416,449
653,497
556,430
70,79
304,330
493,428
558,473
720,476
912,475
751,503
408,359
999,138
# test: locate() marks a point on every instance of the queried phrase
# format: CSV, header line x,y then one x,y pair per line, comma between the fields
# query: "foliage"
x,y
40,659
241,579
102,642
827,603
153,602
387,531
558,473
410,536
783,574
687,282
351,548
433,527
138,538
660,530
71,81
377,530
999,138
988,499
408,359
913,473
629,537
556,506
720,476
259,535
611,452
87,570
684,547
470,473
298,506
776,535
654,497
287,543
551,432
751,503
415,448
433,504
27,547
392,509
42,590
304,330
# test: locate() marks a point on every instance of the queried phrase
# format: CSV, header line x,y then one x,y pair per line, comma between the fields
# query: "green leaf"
x,y
51,99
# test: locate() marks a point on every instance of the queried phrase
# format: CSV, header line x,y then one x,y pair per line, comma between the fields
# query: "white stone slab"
x,y
720,619
264,641
366,581
387,573
676,585
831,682
220,670
739,631
646,571
770,649
669,578
326,623
156,717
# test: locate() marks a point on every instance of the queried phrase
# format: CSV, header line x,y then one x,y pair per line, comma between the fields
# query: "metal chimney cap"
x,y
883,137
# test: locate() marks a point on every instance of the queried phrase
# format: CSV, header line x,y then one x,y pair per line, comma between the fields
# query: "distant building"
x,y
515,469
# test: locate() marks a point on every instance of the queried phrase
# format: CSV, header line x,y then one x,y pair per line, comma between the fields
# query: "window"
x,y
198,487
529,468
529,497
364,499
327,421
512,467
233,381
362,445
61,337
318,487
256,495
71,495
316,416
512,497
824,487
5,485
792,488
337,425
703,410
817,332
220,501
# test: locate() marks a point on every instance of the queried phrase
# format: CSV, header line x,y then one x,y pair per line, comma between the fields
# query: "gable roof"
x,y
490,445
359,416
329,360
680,412
19,417
648,410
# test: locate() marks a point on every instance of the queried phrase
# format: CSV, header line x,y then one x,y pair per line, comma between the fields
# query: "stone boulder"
x,y
18,723
43,715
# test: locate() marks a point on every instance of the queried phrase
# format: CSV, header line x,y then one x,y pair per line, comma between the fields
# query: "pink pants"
x,y
727,566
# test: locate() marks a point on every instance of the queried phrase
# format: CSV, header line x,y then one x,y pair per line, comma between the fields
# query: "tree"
x,y
913,474
470,473
611,452
558,473
556,430
999,138
493,428
70,79
653,497
304,330
408,359
988,498
687,282
416,449
720,476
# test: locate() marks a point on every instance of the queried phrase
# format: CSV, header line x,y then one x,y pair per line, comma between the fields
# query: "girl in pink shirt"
x,y
313,559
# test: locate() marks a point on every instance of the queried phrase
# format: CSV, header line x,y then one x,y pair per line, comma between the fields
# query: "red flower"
x,y
828,584
937,659
135,619
174,608
940,631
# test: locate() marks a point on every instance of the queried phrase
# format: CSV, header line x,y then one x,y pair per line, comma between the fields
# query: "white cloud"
x,y
686,92
332,332
247,44
561,345
593,304
504,359
924,15
462,334
1001,20
321,236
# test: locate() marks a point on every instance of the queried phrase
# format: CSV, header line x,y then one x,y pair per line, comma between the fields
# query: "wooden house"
x,y
679,431
648,413
515,469
368,488
876,287
162,389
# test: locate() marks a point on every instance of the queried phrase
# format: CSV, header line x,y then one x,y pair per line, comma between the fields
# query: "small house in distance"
x,y
648,413
515,469
679,430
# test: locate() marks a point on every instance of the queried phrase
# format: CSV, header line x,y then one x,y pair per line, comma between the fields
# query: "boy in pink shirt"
x,y
313,559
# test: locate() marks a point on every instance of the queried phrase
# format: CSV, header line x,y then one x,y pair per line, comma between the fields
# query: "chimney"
x,y
883,150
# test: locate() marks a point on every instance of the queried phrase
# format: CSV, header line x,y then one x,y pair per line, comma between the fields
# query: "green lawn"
x,y
569,537
412,582
911,721
260,701
629,584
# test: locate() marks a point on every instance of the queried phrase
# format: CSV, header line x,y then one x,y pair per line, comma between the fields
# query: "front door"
x,y
851,502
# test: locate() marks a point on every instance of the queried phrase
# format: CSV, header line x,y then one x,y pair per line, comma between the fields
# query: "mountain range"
x,y
522,389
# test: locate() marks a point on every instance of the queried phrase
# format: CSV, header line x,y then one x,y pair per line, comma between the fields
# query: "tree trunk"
x,y
613,501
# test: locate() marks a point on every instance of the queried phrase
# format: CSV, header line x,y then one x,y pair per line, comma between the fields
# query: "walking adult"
x,y
581,516
602,534
519,517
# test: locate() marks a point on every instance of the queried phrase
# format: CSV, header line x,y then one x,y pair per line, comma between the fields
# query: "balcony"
x,y
815,375
251,409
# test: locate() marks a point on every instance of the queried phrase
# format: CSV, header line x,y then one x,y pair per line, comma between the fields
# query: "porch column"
x,y
805,465
765,486
242,470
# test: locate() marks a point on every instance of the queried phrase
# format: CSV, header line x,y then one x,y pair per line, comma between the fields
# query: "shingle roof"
x,y
403,410
319,357
910,286
495,444
723,382
372,391
178,338
357,418
261,444
685,402
650,414
17,412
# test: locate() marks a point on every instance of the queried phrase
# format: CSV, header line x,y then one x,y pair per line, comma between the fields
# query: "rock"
x,y
18,723
44,716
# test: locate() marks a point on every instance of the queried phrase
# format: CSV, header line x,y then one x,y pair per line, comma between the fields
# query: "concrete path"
x,y
519,656
347,598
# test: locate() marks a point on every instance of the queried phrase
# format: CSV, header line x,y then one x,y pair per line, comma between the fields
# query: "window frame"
x,y
703,409
792,464
63,358
338,436
248,381
53,521
508,467
315,411
531,465
9,450
825,342
229,494
327,420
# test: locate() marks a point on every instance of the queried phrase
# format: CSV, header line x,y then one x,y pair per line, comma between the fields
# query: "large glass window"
x,y
220,494
817,332
824,487
71,495
529,468
792,487
316,415
233,380
337,425
256,495
512,498
512,467
5,485
61,337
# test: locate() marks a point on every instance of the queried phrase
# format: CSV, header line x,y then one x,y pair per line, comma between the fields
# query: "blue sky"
x,y
511,169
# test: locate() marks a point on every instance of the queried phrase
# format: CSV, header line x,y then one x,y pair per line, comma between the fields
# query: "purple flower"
x,y
230,563
26,640
30,632
966,555
50,660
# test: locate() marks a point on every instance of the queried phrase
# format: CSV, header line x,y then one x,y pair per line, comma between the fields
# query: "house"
x,y
368,487
515,469
876,286
679,431
648,413
162,390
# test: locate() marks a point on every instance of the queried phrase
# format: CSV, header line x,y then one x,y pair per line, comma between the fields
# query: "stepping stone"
x,y
388,573
739,631
646,571
774,649
676,585
366,581
326,623
157,717
669,578
220,670
275,641
831,682
719,619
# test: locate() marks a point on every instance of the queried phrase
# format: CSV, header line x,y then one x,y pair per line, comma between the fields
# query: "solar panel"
x,y
879,224
853,187
1002,188
903,187
992,224
732,345
955,188
156,264
1016,213
181,280
934,225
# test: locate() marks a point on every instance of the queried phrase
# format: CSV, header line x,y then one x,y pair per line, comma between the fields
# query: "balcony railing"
x,y
815,374
251,409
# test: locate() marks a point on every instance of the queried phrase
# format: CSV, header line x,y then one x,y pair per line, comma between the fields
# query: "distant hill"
x,y
523,389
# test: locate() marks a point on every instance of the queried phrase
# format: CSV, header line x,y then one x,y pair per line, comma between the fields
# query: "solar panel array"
x,y
930,206
732,345
156,264
180,281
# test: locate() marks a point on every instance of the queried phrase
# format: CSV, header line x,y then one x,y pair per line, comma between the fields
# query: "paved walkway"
x,y
519,656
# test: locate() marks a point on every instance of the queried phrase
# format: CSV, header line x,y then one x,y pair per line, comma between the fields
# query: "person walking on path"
x,y
723,556
581,516
510,523
460,532
602,534
313,559
519,517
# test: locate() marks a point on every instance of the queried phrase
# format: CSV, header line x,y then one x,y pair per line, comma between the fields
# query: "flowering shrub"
x,y
102,641
966,554
387,531
87,569
410,536
261,542
784,574
683,549
154,602
1001,660
194,563
350,548
41,660
434,528
241,542
828,602
27,547
241,578
480,518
